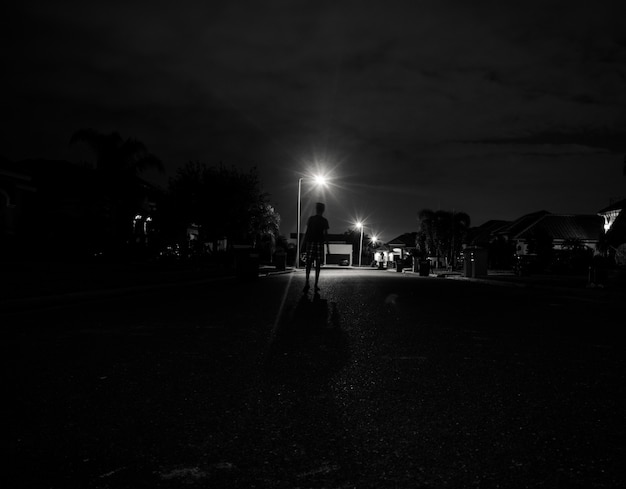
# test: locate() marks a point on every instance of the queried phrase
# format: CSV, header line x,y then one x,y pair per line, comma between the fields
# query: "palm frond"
x,y
149,162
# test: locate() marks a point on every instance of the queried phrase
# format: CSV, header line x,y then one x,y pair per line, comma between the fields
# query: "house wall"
x,y
522,246
339,252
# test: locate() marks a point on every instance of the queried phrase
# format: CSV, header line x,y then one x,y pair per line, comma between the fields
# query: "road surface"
x,y
384,380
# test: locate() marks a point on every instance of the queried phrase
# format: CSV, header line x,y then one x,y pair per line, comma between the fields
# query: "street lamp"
x,y
360,226
373,241
319,180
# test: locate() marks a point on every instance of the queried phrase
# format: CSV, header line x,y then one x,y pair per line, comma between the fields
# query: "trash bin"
x,y
475,262
424,268
399,265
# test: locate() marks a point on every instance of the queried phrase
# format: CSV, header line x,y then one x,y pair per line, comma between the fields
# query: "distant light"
x,y
137,217
359,224
148,219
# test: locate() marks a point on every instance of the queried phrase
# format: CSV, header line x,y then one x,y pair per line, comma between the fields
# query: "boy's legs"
x,y
307,273
317,273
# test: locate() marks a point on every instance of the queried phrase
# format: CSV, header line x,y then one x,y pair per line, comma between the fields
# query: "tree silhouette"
x,y
441,233
120,193
224,202
117,157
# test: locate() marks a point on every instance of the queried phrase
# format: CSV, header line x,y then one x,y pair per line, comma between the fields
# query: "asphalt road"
x,y
385,380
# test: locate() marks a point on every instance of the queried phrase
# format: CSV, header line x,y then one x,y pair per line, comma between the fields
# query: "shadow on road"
x,y
309,346
299,412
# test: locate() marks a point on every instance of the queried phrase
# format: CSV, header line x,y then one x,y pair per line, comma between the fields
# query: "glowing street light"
x,y
318,180
373,241
360,226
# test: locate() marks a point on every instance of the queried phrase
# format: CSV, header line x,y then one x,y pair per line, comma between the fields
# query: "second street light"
x,y
319,180
360,226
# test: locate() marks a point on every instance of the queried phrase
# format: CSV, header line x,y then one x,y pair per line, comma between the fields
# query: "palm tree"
x,y
116,156
461,222
425,240
119,162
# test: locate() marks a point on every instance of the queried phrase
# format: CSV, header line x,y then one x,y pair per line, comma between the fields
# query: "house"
x,y
401,246
508,241
585,230
563,229
341,249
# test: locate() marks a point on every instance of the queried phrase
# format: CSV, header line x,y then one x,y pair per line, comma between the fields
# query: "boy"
x,y
314,239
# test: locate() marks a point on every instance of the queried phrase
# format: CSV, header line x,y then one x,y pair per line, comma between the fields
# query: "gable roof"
x,y
521,224
617,234
616,206
484,232
561,227
406,239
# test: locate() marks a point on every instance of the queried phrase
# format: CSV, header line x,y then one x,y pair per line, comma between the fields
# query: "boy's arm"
x,y
326,241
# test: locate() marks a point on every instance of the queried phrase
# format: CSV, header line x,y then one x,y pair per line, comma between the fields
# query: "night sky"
x,y
496,109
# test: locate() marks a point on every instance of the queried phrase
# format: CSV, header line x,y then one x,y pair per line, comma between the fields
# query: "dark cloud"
x,y
613,140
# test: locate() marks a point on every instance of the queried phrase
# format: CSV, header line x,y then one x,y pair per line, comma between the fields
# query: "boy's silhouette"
x,y
314,239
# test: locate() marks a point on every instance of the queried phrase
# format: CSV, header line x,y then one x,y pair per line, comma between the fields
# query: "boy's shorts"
x,y
315,252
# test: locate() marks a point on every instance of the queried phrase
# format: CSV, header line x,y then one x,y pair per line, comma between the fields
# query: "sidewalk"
x,y
25,285
615,284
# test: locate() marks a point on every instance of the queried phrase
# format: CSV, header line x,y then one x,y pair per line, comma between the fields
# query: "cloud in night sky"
x,y
493,108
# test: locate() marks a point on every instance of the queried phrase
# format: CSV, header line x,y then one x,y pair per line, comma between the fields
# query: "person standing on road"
x,y
315,238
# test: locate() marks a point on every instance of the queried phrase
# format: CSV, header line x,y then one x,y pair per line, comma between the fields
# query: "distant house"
x,y
401,246
340,249
561,228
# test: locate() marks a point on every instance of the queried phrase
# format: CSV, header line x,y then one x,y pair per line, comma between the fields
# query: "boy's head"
x,y
319,208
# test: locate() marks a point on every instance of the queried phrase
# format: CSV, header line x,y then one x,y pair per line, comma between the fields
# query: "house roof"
x,y
617,234
406,239
616,206
521,224
561,227
484,232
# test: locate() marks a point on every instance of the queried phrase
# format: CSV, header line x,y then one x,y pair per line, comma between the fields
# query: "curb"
x,y
59,300
10,306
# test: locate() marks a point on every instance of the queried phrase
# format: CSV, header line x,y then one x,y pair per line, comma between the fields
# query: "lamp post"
x,y
298,233
360,226
320,180
373,241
